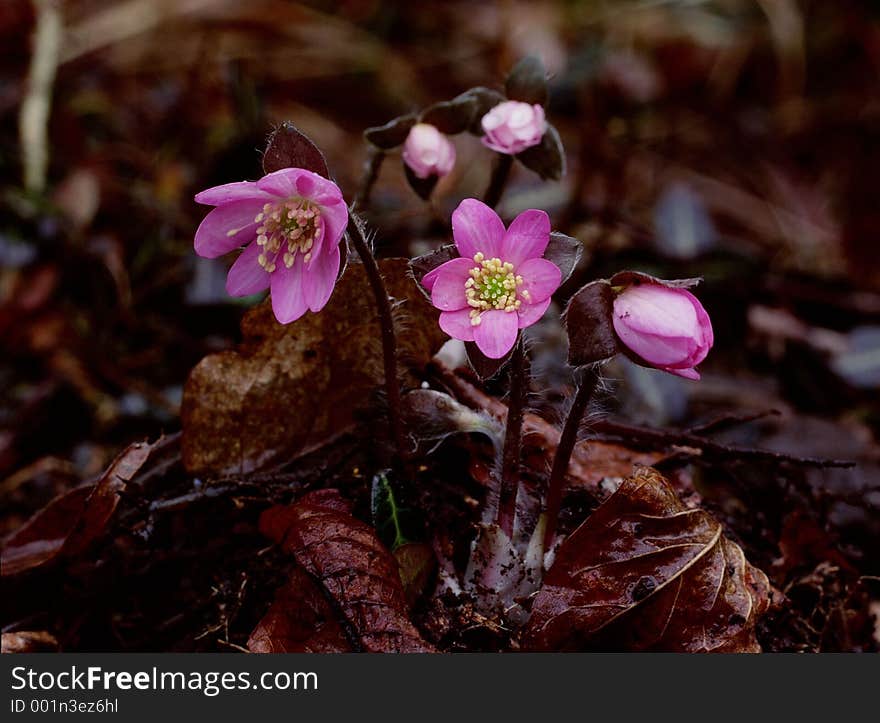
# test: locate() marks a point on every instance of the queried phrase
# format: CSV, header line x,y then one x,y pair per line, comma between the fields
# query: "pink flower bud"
x,y
664,327
512,126
428,152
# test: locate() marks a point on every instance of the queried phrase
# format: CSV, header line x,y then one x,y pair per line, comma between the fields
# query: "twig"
x,y
468,394
510,459
33,119
730,420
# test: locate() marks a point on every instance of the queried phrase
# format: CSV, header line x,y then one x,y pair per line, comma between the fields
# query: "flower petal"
x,y
476,228
689,373
448,289
281,183
246,276
228,192
656,309
319,279
335,218
227,227
528,314
658,351
458,324
540,279
527,237
496,333
288,299
429,279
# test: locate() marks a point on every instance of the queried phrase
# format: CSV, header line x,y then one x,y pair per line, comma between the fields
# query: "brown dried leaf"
x,y
644,572
26,641
72,521
359,577
288,389
300,620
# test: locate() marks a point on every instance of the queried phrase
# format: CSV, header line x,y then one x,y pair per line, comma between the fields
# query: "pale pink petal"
x,y
227,228
528,314
656,309
334,216
281,183
228,192
476,228
246,276
659,351
527,237
496,333
540,279
448,289
430,278
288,300
689,373
458,324
320,278
317,188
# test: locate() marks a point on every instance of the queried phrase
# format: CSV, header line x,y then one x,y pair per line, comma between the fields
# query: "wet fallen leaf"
x,y
300,620
72,521
644,572
288,389
359,577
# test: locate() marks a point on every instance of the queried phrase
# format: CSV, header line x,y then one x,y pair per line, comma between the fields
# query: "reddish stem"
x,y
389,340
563,452
512,454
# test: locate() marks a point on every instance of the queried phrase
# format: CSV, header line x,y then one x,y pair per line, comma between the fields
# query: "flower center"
x,y
493,285
287,228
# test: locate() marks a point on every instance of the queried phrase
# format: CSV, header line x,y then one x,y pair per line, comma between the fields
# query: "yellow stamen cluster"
x,y
287,228
493,285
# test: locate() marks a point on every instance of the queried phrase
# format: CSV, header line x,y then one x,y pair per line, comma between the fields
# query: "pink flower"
x,y
666,328
500,283
290,223
513,126
428,152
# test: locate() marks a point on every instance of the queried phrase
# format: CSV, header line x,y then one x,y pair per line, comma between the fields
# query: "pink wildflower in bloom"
x,y
428,152
290,223
500,283
513,126
666,328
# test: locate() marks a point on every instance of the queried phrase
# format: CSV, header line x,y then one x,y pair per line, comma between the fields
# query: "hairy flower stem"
x,y
563,452
510,458
389,340
372,166
500,174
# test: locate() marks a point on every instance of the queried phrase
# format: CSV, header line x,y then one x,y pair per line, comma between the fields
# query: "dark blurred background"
x,y
738,140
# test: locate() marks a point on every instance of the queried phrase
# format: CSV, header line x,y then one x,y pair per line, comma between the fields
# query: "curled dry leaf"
x,y
73,520
357,575
644,572
299,373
